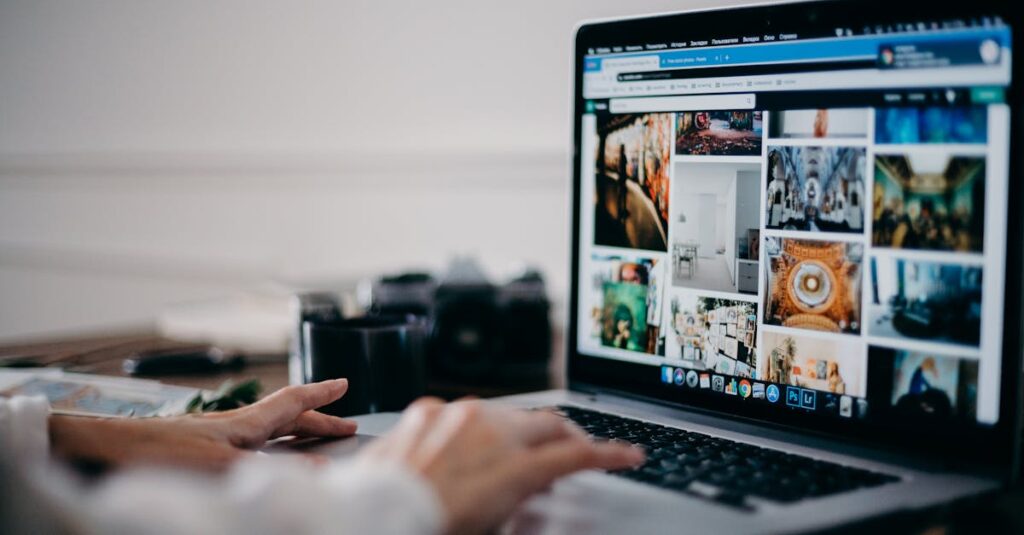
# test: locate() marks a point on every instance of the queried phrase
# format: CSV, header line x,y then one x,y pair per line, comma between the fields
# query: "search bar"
x,y
630,63
742,101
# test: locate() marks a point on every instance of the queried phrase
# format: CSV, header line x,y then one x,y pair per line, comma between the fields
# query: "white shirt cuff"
x,y
24,429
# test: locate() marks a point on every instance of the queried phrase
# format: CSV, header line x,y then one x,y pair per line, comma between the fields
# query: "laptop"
x,y
796,266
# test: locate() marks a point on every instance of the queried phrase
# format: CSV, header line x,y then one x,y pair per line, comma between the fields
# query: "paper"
x,y
90,395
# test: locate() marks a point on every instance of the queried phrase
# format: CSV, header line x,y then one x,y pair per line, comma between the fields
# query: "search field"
x,y
741,101
630,63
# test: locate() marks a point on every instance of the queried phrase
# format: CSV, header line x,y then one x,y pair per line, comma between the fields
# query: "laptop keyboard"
x,y
729,472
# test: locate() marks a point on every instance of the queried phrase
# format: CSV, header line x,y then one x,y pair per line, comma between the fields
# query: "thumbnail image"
x,y
714,213
624,316
929,201
632,180
719,133
925,300
624,300
816,188
924,384
827,365
708,333
934,124
813,284
821,123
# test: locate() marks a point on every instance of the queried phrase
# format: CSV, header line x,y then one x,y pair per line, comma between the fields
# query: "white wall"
x,y
154,152
730,228
748,203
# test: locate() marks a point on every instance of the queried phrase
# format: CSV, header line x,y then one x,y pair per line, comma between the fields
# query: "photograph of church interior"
x,y
819,189
714,226
813,284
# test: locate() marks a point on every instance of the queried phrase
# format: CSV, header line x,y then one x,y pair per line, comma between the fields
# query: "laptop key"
x,y
722,470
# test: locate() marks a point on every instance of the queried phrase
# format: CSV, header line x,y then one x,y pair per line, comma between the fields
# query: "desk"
x,y
104,355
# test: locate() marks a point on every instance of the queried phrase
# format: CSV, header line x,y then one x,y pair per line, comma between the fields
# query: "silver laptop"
x,y
796,266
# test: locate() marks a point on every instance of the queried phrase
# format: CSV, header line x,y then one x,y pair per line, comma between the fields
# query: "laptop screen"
x,y
805,219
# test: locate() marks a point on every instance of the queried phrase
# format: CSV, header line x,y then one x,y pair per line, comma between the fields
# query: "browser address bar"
x,y
742,101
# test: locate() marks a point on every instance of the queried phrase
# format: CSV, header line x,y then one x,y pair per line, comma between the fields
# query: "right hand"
x,y
484,460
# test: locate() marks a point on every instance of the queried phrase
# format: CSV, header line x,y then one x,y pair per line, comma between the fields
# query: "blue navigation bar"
x,y
846,48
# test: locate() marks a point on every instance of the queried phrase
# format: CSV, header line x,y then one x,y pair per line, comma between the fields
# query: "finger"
x,y
537,427
318,424
543,465
284,406
425,401
419,417
416,421
534,470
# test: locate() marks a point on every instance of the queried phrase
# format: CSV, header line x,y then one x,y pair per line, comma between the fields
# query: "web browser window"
x,y
814,225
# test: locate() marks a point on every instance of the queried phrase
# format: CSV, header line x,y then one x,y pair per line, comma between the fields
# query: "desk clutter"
x,y
447,335
99,396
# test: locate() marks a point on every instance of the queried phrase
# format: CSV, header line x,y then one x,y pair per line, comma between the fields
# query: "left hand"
x,y
210,441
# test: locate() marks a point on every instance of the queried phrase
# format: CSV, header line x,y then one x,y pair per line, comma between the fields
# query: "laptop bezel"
x,y
992,448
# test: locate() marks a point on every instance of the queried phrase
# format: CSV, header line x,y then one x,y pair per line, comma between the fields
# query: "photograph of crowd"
x,y
826,365
923,384
929,201
624,302
925,300
813,285
632,180
821,123
707,333
816,189
719,133
933,124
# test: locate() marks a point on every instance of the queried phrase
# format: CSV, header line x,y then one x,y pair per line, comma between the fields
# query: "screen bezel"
x,y
979,447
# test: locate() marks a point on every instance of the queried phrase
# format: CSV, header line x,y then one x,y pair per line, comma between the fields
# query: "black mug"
x,y
381,356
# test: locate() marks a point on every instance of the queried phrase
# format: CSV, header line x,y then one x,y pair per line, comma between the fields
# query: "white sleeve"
x,y
263,494
24,433
270,495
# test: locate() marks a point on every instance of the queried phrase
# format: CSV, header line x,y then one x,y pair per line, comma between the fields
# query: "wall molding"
x,y
517,169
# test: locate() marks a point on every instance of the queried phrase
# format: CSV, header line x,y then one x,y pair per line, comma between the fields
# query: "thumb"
x,y
285,405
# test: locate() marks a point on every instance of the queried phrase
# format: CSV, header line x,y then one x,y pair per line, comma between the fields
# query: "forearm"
x,y
91,440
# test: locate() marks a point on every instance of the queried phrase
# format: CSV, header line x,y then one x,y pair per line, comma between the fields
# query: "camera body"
x,y
480,333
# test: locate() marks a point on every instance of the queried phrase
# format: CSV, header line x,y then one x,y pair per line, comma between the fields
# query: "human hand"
x,y
484,460
209,441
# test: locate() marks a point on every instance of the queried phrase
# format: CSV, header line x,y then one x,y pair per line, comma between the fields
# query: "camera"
x,y
480,333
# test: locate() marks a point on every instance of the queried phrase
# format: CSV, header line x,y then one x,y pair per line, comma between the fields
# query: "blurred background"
x,y
159,157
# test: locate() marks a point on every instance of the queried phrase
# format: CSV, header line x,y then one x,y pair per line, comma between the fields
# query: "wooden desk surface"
x,y
105,355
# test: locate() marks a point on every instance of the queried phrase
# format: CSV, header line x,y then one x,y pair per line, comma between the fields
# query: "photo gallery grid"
x,y
846,244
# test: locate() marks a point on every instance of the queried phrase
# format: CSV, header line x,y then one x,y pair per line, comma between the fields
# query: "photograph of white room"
x,y
713,226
